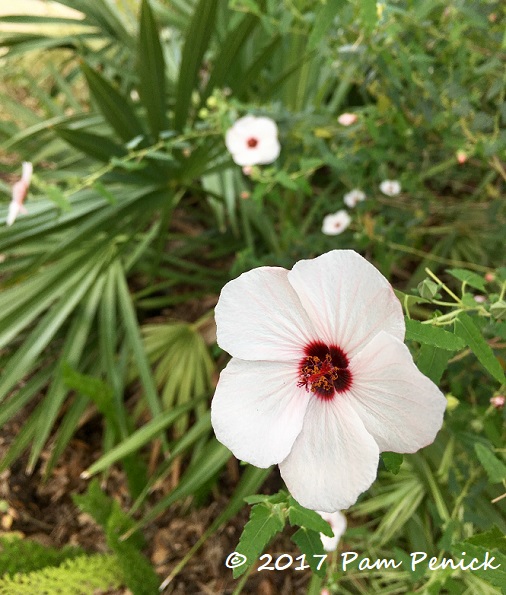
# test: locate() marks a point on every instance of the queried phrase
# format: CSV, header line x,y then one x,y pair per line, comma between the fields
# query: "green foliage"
x,y
136,570
25,556
78,576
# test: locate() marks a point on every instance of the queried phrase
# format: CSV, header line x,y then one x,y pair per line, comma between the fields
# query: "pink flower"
x,y
461,156
390,187
19,192
347,119
335,223
337,522
253,141
320,381
498,401
353,197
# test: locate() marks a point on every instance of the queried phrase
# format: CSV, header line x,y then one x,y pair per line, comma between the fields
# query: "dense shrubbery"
x,y
137,217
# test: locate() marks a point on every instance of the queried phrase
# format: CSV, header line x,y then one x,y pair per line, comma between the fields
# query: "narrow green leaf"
x,y
264,522
151,65
472,279
197,41
467,329
432,335
114,107
139,438
228,54
134,338
495,468
432,361
93,145
311,546
324,20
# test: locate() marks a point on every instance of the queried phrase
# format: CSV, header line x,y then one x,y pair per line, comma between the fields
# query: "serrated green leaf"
x,y
467,329
432,335
495,468
392,461
493,539
151,71
495,576
309,519
472,279
311,546
264,523
432,361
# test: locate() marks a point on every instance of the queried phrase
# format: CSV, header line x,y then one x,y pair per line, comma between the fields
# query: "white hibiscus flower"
x,y
353,197
390,187
335,223
320,381
337,522
253,141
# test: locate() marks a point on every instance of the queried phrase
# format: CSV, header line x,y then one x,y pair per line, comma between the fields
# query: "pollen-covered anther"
x,y
318,375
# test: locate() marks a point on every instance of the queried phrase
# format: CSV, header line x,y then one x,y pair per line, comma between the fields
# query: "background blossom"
x,y
253,140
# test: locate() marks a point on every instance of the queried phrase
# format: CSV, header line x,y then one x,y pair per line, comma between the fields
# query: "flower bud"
x,y
498,310
498,401
428,289
451,402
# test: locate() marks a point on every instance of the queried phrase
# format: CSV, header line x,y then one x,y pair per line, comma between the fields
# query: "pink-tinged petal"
x,y
333,460
19,191
337,522
400,407
258,410
27,169
347,299
259,317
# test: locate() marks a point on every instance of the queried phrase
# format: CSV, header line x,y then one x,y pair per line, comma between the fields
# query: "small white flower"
x,y
347,119
335,223
353,197
337,522
390,187
253,141
19,192
320,381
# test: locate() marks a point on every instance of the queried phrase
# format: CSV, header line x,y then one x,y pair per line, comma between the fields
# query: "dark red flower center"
x,y
252,142
324,370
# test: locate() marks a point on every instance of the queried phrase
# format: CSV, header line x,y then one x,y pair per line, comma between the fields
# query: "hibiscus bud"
x,y
428,289
451,402
347,119
245,194
247,170
461,157
480,299
489,277
498,310
498,401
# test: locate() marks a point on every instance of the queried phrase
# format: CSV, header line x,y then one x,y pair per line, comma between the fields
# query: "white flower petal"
x,y
347,299
258,410
399,406
353,197
27,169
390,187
260,129
333,460
335,223
337,522
259,317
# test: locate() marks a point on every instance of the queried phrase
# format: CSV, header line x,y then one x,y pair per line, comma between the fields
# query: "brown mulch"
x,y
44,511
